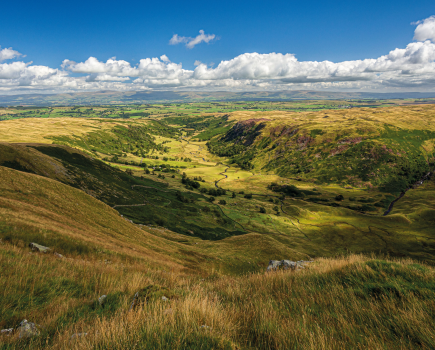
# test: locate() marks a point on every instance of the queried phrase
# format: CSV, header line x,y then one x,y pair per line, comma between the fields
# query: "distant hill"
x,y
115,97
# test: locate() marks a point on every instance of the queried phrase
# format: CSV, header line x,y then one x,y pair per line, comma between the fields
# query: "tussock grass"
x,y
353,302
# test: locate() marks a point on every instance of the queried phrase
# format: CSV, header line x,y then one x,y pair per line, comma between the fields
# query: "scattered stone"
x,y
164,298
7,331
205,327
78,335
102,299
39,248
60,256
27,329
286,265
168,312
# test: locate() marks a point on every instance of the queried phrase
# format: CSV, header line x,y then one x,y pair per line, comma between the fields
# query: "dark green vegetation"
x,y
207,126
359,153
137,139
142,200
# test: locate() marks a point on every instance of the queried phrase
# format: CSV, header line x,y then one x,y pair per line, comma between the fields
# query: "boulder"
x,y
27,329
7,331
39,248
102,299
164,298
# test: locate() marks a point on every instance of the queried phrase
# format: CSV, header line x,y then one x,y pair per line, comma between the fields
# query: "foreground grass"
x,y
353,302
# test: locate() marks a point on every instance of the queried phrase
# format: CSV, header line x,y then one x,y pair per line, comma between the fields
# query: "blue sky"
x,y
49,32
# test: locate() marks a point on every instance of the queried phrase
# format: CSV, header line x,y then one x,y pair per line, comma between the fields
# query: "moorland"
x,y
181,206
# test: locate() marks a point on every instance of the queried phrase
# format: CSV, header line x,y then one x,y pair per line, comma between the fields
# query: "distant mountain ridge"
x,y
131,97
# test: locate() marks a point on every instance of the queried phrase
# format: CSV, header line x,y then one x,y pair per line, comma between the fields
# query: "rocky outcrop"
x,y
275,265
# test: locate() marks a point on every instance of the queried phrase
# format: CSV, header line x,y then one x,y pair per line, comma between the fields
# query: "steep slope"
x,y
385,148
142,200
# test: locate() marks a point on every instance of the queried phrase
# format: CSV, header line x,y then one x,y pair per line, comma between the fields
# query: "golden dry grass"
x,y
353,302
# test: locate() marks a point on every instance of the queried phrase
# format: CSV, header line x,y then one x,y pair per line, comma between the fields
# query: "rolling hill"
x,y
160,231
131,97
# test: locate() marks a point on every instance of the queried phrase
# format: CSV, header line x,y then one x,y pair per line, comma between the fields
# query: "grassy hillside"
x,y
144,201
198,226
386,148
312,228
352,302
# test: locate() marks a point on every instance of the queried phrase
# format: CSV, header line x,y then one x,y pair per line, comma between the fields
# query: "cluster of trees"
x,y
289,190
190,184
223,149
216,192
245,164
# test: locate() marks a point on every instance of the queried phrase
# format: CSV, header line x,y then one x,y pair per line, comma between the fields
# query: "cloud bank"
x,y
403,69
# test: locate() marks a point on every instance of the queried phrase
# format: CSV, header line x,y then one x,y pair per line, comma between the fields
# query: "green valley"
x,y
174,210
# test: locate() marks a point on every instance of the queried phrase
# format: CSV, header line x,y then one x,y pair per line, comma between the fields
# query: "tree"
x,y
248,196
276,208
147,171
222,201
211,199
262,210
129,172
339,197
234,195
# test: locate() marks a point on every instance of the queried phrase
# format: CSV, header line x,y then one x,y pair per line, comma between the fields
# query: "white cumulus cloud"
x,y
8,54
401,69
425,29
192,42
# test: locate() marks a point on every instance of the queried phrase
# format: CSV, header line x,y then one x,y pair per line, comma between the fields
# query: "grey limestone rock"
x,y
39,248
102,299
27,329
7,331
286,265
